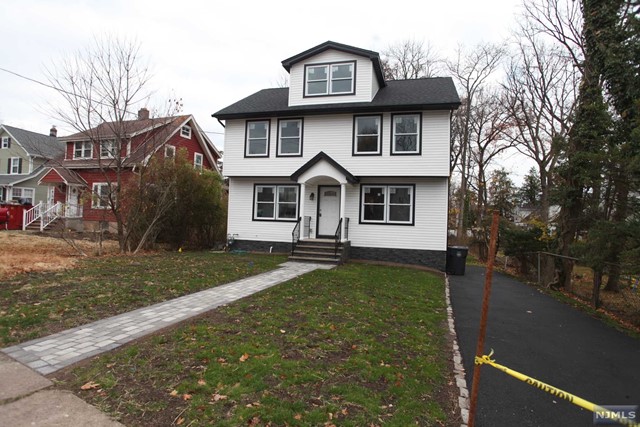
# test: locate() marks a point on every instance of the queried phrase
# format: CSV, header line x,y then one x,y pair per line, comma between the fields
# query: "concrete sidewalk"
x,y
24,398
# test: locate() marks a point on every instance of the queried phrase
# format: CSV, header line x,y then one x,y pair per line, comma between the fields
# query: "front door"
x,y
328,210
73,201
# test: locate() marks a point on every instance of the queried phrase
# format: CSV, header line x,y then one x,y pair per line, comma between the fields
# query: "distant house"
x,y
81,180
341,156
24,156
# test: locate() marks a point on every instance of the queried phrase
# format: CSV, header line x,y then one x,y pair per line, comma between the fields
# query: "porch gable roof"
x,y
318,158
61,175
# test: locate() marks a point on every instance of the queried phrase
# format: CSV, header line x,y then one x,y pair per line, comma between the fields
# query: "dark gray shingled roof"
x,y
37,144
437,93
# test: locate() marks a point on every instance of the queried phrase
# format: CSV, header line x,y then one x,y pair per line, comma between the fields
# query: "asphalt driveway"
x,y
534,334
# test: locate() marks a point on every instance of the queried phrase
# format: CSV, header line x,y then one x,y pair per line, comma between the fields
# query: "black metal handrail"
x,y
295,235
346,228
338,236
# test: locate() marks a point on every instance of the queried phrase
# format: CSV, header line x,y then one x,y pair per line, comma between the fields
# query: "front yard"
x,y
360,345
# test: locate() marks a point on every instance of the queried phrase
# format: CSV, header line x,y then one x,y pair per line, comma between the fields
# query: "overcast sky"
x,y
211,53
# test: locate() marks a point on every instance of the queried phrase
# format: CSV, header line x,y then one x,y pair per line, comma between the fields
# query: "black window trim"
x,y
246,138
329,64
275,216
386,222
286,119
392,134
353,137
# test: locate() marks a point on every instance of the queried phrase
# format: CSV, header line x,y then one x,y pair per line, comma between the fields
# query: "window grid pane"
x,y
367,134
387,204
257,138
406,130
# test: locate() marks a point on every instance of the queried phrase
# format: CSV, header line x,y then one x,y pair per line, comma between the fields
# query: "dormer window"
x,y
82,150
185,132
330,79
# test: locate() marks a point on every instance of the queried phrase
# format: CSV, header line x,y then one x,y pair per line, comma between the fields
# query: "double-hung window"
x,y
257,139
330,79
108,149
82,150
367,135
100,199
185,132
405,134
387,204
197,161
22,195
15,165
289,137
6,142
276,202
169,151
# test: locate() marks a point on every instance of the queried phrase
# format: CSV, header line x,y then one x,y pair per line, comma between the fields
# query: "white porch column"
x,y
303,195
343,203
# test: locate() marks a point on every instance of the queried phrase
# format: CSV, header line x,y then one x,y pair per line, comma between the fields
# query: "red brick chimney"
x,y
143,114
53,131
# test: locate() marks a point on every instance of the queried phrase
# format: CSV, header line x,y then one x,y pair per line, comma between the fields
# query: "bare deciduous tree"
x,y
410,59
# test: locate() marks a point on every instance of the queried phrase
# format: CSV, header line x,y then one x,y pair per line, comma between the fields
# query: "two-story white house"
x,y
342,155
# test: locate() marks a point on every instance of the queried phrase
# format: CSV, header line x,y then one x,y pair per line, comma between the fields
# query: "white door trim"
x,y
329,218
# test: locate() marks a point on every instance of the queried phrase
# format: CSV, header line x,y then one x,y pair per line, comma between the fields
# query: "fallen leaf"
x,y
332,327
282,331
186,396
244,357
90,386
202,382
344,411
297,416
254,421
222,360
174,393
215,397
180,421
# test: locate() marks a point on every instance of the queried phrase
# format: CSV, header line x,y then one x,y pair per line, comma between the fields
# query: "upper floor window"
x,y
387,204
14,166
185,132
169,151
6,142
367,135
405,134
108,149
197,160
257,139
289,137
82,150
330,79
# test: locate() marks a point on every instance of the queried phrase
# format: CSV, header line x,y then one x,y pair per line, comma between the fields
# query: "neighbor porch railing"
x,y
50,215
46,214
31,215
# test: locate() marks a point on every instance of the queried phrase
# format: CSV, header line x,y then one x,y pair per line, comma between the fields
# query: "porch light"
x,y
312,196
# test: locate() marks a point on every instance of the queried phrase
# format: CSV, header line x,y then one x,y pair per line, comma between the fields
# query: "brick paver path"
x,y
49,354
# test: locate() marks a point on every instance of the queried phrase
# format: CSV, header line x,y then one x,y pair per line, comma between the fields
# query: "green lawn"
x,y
359,345
40,304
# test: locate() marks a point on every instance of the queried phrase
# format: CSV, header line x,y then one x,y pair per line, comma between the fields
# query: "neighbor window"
x,y
185,132
387,204
15,165
100,199
367,134
22,195
276,202
290,137
330,79
405,134
82,150
169,151
108,149
197,160
6,142
257,139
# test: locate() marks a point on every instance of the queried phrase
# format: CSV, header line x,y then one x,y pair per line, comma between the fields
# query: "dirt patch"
x,y
24,252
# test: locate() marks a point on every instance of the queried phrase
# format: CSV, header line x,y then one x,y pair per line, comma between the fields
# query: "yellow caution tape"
x,y
486,360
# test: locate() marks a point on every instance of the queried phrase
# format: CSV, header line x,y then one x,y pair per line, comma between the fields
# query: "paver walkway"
x,y
54,352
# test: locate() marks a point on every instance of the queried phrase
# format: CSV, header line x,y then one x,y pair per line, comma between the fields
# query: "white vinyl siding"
x,y
363,79
333,134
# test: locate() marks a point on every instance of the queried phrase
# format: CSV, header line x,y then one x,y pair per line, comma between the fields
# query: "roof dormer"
x,y
332,73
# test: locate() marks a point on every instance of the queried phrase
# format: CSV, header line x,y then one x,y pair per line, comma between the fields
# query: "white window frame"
x,y
83,148
5,142
108,149
395,134
96,195
356,135
169,151
22,190
15,166
249,139
276,202
198,161
388,188
279,153
329,80
185,132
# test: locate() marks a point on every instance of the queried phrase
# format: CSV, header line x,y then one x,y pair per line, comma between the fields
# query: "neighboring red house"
x,y
81,181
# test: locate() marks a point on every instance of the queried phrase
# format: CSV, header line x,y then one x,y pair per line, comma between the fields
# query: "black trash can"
x,y
456,259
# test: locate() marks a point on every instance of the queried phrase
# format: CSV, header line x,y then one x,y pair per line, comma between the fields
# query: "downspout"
x,y
221,124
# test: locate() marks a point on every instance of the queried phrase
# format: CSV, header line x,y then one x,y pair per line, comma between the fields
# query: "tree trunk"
x,y
619,216
595,295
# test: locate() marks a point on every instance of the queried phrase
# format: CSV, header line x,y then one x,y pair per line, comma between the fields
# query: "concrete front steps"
x,y
319,250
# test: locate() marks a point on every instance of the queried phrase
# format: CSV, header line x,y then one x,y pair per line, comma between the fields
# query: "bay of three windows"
x,y
367,136
84,149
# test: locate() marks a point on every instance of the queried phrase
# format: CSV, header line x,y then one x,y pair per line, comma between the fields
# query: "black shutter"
x,y
8,142
9,165
20,165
